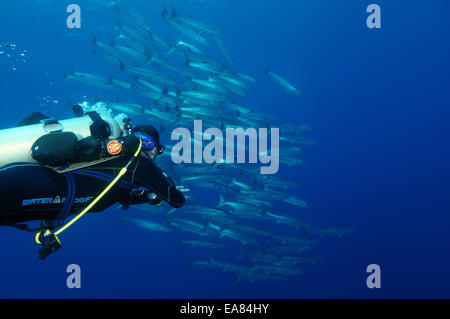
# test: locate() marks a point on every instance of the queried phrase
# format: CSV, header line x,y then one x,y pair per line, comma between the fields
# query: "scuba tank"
x,y
25,144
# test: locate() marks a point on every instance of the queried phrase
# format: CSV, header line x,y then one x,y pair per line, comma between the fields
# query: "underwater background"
x,y
378,104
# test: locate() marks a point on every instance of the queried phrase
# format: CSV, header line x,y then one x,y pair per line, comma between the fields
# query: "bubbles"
x,y
46,101
13,57
100,107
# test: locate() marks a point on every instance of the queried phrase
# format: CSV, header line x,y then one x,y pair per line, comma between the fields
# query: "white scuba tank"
x,y
16,143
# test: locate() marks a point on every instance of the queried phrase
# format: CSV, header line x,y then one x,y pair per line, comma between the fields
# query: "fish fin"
x,y
165,91
71,72
121,66
237,280
121,35
186,62
188,80
117,8
177,93
269,239
119,26
172,46
96,99
94,39
148,55
171,211
133,84
178,117
241,253
221,201
163,13
264,212
166,107
207,222
266,71
167,221
307,231
226,212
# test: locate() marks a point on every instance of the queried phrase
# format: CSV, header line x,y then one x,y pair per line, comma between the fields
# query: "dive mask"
x,y
148,143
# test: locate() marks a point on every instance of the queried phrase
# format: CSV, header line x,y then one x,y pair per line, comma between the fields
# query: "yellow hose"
x,y
105,191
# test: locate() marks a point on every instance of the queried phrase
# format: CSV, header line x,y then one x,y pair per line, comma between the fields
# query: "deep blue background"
x,y
378,101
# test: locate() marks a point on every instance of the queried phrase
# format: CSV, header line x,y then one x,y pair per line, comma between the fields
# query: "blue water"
x,y
378,104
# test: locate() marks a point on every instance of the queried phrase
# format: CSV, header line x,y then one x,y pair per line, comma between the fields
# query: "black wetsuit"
x,y
34,192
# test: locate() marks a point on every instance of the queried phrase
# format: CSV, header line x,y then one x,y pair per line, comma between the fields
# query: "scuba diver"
x,y
82,165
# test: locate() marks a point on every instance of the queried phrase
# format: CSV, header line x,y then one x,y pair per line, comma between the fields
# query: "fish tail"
x,y
238,278
171,211
207,223
221,201
174,12
187,63
167,221
95,98
221,235
117,8
110,79
133,84
241,255
121,35
165,91
121,66
71,71
149,56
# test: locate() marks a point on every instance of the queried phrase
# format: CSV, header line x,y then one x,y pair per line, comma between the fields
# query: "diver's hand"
x,y
182,189
139,192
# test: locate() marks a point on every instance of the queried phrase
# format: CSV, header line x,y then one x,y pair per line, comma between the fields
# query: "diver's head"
x,y
151,147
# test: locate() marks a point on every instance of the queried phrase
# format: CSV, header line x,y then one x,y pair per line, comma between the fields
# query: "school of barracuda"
x,y
182,83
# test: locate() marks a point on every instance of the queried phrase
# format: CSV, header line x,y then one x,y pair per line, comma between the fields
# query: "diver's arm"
x,y
160,185
156,181
176,198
